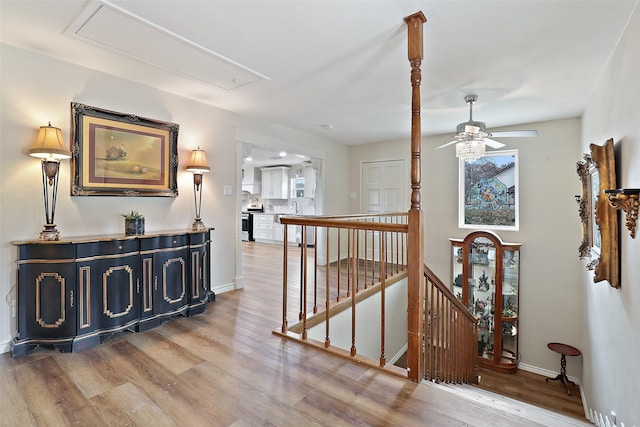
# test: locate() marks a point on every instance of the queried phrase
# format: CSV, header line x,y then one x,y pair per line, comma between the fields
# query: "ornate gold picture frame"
x,y
117,154
599,220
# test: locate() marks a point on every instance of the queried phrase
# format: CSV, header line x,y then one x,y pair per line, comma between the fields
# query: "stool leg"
x,y
562,376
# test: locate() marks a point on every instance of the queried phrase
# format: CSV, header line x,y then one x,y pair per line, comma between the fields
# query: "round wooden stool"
x,y
564,350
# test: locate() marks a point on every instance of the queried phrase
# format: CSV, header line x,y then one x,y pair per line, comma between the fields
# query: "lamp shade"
x,y
49,144
198,163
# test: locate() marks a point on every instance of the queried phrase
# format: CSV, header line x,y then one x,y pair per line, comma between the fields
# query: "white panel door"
x,y
383,190
384,186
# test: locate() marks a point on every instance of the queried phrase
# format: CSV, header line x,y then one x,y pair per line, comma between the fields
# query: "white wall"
x,y
550,306
612,316
368,325
36,89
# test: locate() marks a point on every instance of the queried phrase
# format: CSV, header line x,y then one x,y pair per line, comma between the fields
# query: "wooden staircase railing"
x,y
354,258
451,335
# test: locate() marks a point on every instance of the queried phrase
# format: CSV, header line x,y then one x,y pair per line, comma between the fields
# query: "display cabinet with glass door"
x,y
485,277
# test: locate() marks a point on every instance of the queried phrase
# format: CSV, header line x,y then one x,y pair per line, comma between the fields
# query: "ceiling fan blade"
x,y
492,143
447,144
515,133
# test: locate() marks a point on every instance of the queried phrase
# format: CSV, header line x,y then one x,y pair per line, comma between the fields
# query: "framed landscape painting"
x,y
116,154
488,197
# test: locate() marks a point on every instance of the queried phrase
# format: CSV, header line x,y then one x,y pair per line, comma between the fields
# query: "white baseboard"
x,y
398,355
227,288
545,372
5,347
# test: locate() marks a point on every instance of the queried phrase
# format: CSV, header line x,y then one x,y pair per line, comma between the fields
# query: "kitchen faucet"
x,y
294,203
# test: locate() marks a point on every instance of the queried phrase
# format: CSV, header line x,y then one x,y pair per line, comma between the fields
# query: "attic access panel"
x,y
116,29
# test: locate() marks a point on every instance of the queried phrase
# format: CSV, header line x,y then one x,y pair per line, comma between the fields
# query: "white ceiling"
x,y
260,157
315,65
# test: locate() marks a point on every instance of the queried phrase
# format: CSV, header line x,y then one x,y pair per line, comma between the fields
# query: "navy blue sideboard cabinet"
x,y
74,293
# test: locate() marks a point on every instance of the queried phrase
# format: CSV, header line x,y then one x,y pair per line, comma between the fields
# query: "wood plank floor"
x,y
532,388
223,368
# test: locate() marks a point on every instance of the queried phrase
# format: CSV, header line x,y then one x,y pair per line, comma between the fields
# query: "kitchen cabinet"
x,y
263,227
278,233
275,182
304,186
297,187
309,182
72,294
251,180
485,277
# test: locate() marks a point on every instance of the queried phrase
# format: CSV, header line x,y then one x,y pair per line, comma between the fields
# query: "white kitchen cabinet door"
x,y
263,227
275,183
309,182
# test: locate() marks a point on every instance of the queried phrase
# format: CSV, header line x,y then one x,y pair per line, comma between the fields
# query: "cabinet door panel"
x,y
275,183
46,291
49,293
109,293
164,284
165,266
147,286
174,271
119,291
199,267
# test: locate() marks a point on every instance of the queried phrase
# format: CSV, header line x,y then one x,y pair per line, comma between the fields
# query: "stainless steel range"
x,y
247,227
247,222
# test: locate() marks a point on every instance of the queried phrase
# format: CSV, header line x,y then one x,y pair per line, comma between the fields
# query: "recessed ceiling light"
x,y
283,154
326,126
248,159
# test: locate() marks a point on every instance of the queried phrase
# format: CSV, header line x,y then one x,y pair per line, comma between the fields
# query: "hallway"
x,y
224,368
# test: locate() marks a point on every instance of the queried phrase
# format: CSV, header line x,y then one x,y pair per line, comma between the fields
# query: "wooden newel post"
x,y
415,240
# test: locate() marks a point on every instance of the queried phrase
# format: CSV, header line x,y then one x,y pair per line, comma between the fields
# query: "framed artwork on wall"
x,y
488,197
117,154
599,244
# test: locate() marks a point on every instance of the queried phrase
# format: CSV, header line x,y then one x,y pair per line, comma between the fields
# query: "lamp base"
x,y
50,233
198,225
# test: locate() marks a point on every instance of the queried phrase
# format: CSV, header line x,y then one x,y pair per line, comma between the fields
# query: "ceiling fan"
x,y
472,136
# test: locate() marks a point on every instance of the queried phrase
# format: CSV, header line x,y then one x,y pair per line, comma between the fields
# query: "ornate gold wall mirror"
x,y
599,220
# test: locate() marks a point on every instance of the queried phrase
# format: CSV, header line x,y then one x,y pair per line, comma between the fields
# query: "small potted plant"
x,y
133,223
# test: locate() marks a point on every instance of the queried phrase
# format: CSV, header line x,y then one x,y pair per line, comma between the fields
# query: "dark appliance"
x,y
247,222
247,227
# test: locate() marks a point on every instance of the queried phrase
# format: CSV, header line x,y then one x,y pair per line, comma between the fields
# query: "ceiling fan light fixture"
x,y
470,150
472,131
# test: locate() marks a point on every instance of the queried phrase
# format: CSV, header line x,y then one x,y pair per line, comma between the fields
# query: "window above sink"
x,y
297,188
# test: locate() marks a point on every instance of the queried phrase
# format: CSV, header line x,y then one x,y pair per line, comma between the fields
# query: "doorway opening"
x,y
275,183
